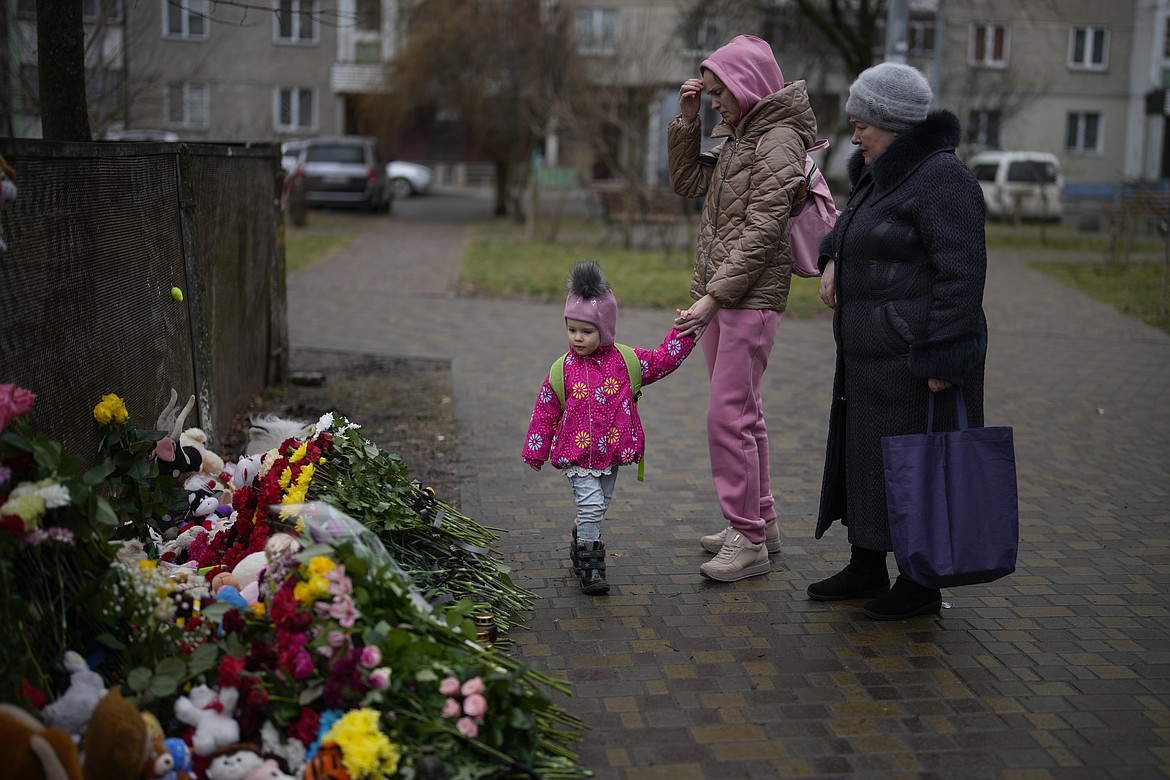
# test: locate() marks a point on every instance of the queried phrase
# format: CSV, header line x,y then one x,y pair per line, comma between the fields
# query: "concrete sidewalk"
x,y
1059,671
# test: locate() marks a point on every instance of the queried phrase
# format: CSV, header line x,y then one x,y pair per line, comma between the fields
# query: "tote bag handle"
x,y
960,409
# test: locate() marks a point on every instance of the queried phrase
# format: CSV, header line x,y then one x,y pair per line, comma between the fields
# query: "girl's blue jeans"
x,y
593,496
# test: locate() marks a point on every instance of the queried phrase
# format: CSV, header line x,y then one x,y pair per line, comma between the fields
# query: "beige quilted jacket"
x,y
742,258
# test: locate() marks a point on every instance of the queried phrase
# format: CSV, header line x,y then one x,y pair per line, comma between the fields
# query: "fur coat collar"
x,y
938,133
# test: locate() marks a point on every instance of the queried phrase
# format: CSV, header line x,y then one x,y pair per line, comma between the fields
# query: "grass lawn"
x,y
1134,288
326,231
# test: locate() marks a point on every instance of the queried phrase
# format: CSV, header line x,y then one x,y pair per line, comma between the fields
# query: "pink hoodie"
x,y
748,69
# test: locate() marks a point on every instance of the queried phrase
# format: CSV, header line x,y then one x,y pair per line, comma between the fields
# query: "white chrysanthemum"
x,y
55,496
324,424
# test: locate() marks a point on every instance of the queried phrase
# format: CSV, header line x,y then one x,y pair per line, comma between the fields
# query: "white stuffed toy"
x,y
212,463
234,762
269,770
73,710
211,715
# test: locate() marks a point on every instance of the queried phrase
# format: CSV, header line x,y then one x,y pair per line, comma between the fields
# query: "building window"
x,y
295,21
1088,48
597,30
920,35
368,15
702,35
294,110
983,130
109,11
187,105
988,46
1083,135
185,19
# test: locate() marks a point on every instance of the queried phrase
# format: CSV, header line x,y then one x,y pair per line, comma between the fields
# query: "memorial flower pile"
x,y
329,610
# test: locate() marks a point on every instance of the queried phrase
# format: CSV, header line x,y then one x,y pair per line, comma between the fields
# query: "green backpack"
x,y
556,378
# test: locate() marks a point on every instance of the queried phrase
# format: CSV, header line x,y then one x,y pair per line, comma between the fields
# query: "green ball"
x,y
176,293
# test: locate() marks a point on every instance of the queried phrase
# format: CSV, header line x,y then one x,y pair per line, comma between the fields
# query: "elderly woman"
x,y
904,271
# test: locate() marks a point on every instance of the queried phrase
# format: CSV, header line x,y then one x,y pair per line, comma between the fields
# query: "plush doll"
x,y
117,741
212,464
211,715
181,755
269,770
33,752
174,460
233,762
72,711
7,193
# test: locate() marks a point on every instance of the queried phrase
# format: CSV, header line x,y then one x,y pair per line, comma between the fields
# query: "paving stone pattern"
x,y
1059,671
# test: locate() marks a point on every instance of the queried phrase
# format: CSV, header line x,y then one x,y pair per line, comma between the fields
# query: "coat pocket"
x,y
894,330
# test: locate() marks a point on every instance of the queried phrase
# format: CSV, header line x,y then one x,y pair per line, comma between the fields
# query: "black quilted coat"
x,y
910,266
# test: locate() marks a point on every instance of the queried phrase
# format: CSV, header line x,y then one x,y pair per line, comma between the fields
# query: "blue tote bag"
x,y
952,501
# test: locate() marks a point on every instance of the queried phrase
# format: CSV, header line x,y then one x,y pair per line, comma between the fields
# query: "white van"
x,y
1020,185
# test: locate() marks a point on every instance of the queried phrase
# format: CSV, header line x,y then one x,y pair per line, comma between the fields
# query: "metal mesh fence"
x,y
97,237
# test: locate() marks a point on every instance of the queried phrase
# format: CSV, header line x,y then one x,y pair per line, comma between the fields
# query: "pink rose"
x,y
467,727
473,686
371,656
380,678
451,709
14,401
449,686
475,705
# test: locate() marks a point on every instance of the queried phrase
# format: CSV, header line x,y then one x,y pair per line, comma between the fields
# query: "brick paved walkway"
x,y
1060,671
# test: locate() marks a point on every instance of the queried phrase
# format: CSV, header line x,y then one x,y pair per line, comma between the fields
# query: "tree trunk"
x,y
61,70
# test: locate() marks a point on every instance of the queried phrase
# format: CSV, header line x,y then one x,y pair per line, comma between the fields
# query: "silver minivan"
x,y
1020,185
344,171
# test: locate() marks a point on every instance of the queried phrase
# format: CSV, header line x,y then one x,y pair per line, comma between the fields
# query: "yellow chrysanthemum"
x,y
582,440
298,453
258,609
311,590
319,566
609,386
365,750
285,477
111,408
28,507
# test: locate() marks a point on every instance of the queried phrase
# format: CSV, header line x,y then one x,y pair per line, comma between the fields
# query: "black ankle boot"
x,y
591,560
864,577
905,600
576,564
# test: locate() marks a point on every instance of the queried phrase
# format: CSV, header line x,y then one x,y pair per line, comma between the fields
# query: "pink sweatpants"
x,y
736,344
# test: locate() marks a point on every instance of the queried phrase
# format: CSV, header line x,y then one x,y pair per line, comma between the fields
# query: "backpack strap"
x,y
556,379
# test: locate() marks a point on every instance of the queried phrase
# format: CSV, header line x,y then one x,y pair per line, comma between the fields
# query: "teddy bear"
x,y
34,752
182,763
117,744
211,715
233,762
72,711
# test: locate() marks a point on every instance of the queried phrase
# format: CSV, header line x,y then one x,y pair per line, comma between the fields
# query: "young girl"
x,y
598,428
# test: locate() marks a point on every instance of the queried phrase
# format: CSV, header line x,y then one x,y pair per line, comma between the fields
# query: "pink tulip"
x,y
449,686
451,709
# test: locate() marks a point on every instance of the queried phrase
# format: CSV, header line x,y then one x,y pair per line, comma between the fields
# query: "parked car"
x,y
344,171
407,178
1020,185
141,135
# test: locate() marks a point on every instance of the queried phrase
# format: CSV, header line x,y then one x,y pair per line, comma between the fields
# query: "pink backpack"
x,y
816,218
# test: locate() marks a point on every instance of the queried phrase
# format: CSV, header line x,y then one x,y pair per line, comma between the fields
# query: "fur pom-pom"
x,y
269,431
587,281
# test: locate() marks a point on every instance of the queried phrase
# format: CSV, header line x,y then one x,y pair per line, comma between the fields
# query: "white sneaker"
x,y
713,543
738,559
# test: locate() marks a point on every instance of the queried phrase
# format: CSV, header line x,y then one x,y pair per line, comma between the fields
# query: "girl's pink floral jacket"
x,y
600,427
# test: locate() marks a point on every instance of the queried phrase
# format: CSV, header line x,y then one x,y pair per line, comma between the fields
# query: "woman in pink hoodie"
x,y
596,429
751,184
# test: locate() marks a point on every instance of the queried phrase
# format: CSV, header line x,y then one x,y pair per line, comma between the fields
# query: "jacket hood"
x,y
939,132
748,69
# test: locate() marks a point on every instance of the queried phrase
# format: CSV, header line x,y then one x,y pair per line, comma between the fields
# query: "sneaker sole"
x,y
754,570
711,547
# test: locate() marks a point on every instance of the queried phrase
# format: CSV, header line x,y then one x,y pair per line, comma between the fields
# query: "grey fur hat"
x,y
891,96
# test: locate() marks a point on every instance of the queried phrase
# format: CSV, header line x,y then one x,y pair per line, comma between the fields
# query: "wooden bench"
x,y
657,210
